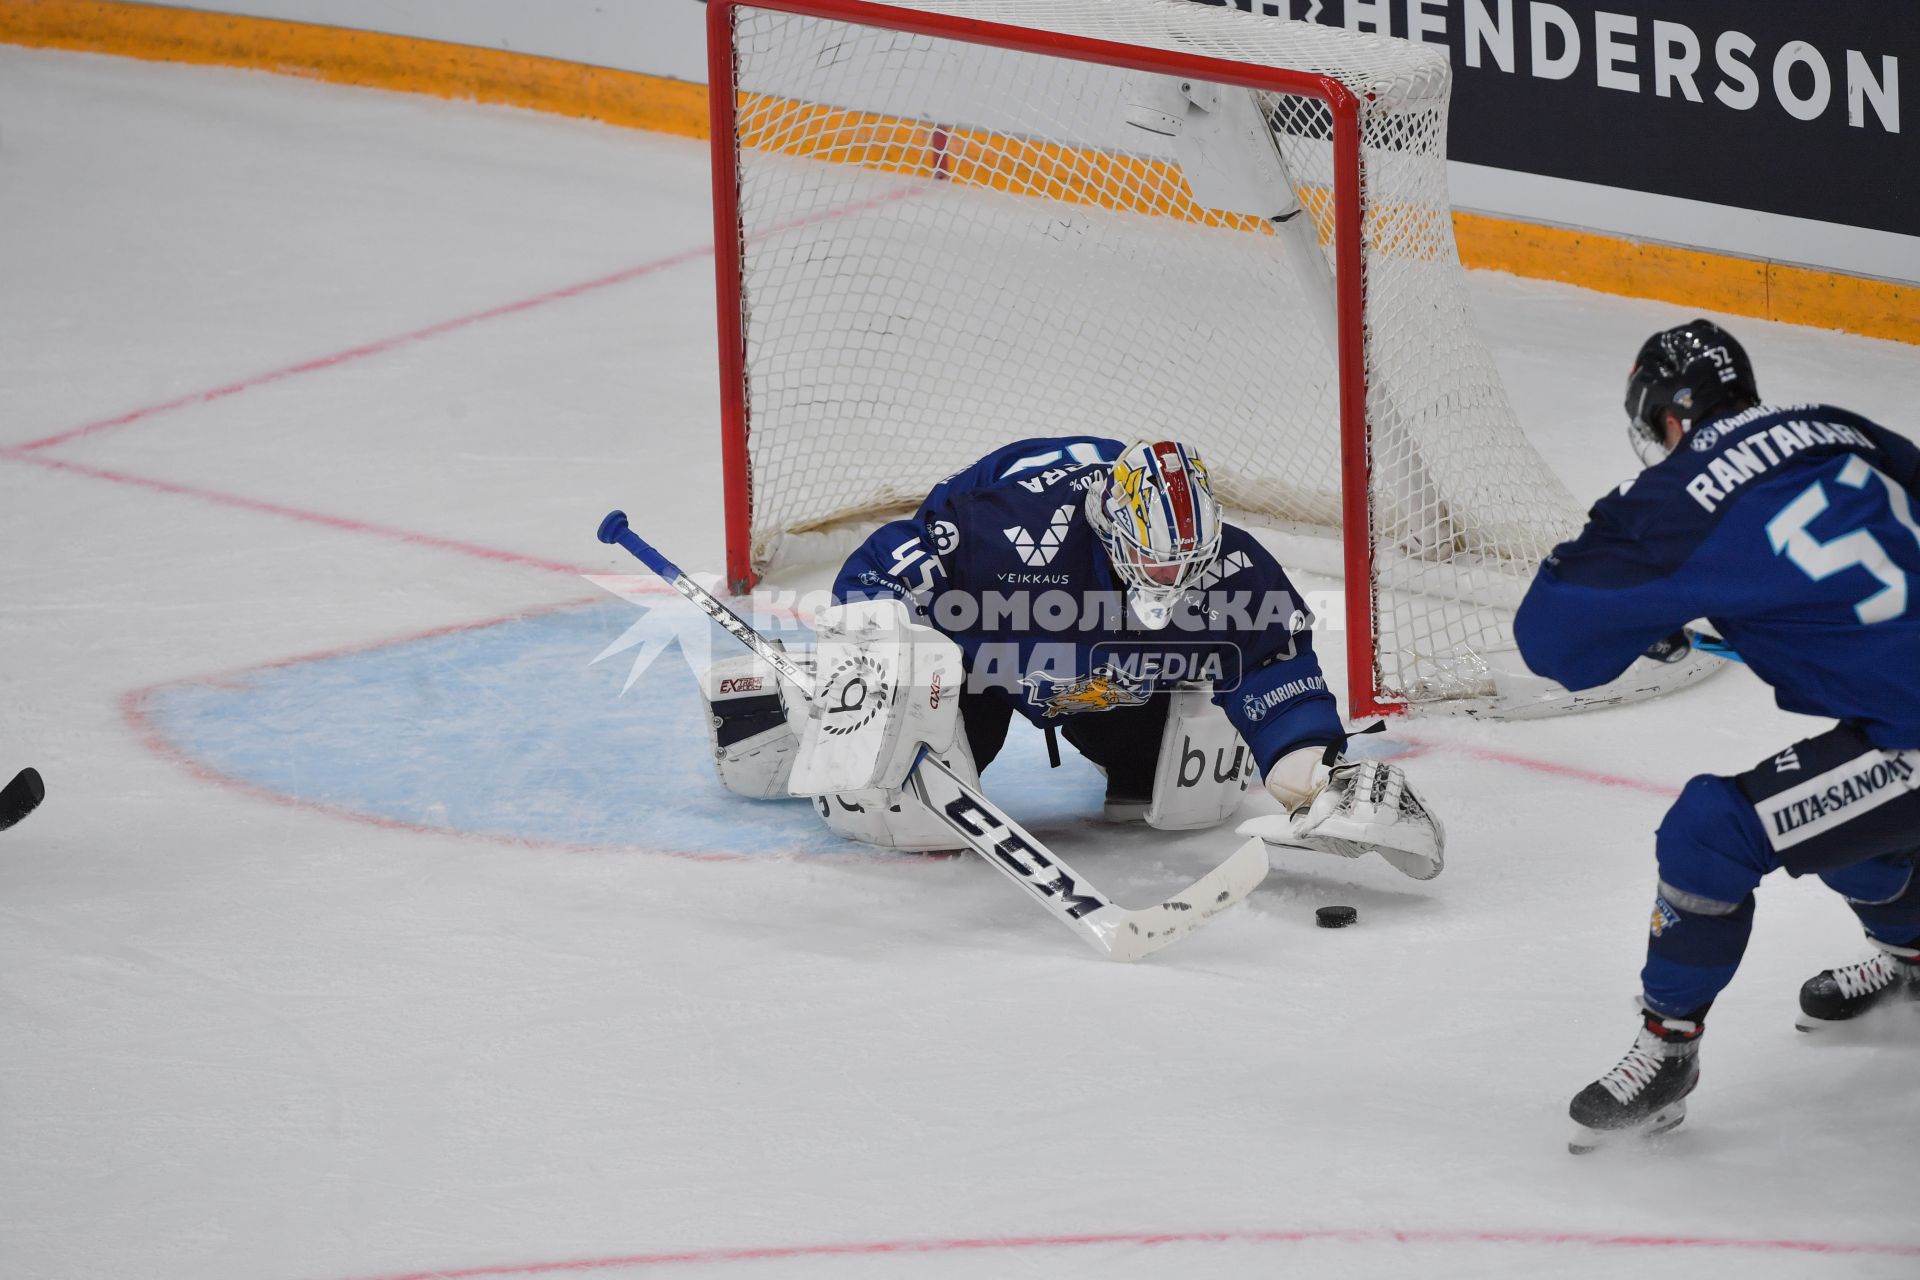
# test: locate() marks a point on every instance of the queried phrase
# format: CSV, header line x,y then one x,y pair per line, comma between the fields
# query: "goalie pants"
x,y
1124,741
1833,805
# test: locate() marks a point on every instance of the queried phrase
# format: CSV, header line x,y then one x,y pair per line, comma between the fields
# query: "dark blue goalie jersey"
x,y
1791,530
1000,557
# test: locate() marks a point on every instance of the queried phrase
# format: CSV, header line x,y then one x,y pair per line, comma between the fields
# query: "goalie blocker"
x,y
889,688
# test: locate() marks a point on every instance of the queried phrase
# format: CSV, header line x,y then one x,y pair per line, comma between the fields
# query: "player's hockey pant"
x,y
1835,805
1124,741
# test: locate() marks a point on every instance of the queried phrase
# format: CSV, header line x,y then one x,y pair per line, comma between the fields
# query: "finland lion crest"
x,y
1102,689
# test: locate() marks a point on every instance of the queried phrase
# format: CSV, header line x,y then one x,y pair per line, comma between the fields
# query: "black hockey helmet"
x,y
1696,371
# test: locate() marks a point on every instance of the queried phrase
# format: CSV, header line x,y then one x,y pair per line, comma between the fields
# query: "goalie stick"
x,y
1120,933
21,797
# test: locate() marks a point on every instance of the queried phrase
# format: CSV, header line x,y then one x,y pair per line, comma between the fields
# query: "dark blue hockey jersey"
x,y
1000,557
1791,530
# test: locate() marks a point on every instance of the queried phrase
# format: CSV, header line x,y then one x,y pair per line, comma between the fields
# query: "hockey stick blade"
x,y
1117,932
21,797
1144,931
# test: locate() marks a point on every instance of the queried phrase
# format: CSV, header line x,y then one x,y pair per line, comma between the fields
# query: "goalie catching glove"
x,y
1349,809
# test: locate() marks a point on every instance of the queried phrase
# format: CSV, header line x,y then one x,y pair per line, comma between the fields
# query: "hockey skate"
x,y
1882,980
1645,1093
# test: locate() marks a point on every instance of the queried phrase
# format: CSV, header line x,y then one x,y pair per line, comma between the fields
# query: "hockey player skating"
x,y
1095,591
1793,531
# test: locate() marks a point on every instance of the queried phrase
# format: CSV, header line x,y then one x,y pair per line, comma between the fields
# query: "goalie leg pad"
x,y
897,818
1204,767
752,741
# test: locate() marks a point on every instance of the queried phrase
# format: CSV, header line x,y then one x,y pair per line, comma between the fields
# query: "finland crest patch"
x,y
1664,918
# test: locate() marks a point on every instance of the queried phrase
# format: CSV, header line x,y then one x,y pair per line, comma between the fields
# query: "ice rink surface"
x,y
367,931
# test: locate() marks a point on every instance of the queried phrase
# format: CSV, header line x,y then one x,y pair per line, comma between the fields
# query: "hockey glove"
x,y
1365,806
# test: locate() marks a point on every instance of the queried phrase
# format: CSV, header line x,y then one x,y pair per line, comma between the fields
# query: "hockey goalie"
x,y
1093,590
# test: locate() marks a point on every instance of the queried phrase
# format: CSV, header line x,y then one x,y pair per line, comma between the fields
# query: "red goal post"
x,y
1348,284
815,101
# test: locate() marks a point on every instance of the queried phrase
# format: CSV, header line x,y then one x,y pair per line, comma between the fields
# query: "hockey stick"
x,y
1117,932
21,797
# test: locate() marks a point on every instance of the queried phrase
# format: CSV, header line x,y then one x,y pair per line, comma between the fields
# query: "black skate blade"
x,y
1586,1141
1890,1024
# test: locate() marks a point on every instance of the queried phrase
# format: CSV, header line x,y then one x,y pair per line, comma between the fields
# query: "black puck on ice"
x,y
1335,917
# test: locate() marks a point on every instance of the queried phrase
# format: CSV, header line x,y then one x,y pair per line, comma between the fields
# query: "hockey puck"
x,y
1335,917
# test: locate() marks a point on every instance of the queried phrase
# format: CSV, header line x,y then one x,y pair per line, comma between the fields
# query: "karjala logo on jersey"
x,y
1256,705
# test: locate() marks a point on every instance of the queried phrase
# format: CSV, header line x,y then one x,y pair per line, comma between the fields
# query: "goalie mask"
x,y
1694,371
1157,517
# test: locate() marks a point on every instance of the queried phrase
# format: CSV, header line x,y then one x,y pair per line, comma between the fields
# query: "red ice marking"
x,y
384,345
1537,765
343,523
375,348
870,1248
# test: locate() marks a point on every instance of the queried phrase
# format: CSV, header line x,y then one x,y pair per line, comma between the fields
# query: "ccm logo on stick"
x,y
1021,856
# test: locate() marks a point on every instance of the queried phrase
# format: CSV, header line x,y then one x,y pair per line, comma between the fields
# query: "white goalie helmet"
x,y
1160,523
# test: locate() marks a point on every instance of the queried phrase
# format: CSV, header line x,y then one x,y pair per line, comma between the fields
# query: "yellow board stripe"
x,y
1693,278
369,58
976,158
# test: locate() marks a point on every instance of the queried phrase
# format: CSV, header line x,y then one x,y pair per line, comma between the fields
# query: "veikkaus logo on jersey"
x,y
1220,570
1035,553
945,537
1704,438
1256,705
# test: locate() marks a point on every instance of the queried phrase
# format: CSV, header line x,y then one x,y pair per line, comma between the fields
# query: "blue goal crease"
x,y
509,730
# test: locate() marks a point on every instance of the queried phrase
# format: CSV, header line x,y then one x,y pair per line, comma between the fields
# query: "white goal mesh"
x,y
945,246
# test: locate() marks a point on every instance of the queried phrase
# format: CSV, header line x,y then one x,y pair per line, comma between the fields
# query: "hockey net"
x,y
938,233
